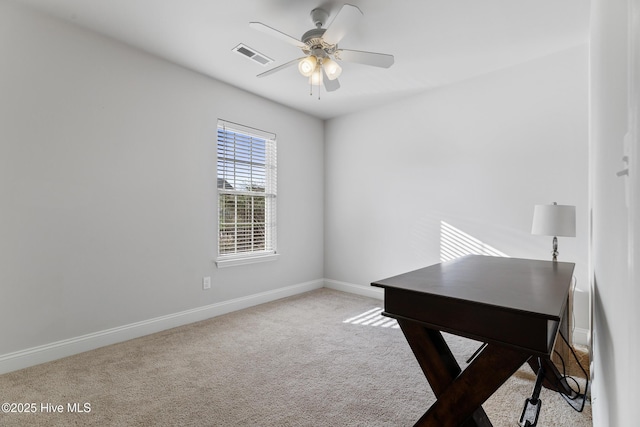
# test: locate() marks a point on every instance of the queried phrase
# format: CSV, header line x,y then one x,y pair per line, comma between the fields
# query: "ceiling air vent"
x,y
252,54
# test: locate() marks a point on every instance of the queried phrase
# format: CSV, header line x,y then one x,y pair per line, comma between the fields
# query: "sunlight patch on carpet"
x,y
372,317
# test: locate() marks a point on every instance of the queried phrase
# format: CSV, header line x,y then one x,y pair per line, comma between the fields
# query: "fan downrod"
x,y
319,17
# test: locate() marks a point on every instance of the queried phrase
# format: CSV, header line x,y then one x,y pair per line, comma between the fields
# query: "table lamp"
x,y
554,220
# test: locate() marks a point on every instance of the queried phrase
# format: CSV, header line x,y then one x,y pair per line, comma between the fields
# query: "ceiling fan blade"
x,y
382,60
348,17
329,85
280,67
277,34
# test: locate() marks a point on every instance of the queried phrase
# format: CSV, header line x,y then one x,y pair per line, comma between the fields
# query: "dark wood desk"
x,y
513,305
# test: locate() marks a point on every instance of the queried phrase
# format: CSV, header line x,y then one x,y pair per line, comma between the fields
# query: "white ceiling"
x,y
435,42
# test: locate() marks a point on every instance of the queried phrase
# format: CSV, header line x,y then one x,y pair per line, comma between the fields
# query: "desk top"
x,y
539,288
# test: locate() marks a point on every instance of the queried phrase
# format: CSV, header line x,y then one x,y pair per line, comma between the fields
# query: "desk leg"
x,y
553,379
459,394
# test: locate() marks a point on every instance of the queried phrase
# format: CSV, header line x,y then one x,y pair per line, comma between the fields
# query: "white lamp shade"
x,y
316,77
554,220
332,68
307,65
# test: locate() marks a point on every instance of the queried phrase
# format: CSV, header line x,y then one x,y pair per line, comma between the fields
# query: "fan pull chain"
x,y
320,80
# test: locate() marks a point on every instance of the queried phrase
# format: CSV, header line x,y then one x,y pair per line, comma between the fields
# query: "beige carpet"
x,y
293,362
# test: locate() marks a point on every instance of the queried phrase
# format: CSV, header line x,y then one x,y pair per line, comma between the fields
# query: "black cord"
x,y
571,399
583,396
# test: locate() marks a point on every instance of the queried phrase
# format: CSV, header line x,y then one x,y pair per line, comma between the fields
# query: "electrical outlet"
x,y
206,282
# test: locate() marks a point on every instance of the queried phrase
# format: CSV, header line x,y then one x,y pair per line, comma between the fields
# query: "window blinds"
x,y
246,174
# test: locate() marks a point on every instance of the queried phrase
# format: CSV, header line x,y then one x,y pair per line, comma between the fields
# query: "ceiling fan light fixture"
x,y
320,48
332,68
307,65
315,78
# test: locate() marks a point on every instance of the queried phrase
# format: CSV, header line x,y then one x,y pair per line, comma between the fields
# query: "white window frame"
x,y
246,168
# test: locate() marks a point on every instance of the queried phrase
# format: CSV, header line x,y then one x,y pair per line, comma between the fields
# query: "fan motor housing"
x,y
313,37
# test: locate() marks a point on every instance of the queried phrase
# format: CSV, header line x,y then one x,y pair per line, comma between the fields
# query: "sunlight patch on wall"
x,y
373,317
455,243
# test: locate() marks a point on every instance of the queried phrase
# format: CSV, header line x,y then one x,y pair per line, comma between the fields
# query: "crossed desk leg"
x,y
459,394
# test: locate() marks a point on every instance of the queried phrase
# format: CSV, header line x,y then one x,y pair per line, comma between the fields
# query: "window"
x,y
246,194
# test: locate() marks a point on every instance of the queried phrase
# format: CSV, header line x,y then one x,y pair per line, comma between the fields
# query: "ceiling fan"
x,y
320,48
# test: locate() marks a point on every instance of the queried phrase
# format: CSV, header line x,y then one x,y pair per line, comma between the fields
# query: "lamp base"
x,y
555,252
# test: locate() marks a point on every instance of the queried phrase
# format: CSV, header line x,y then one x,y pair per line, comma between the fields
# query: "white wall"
x,y
478,155
615,244
107,185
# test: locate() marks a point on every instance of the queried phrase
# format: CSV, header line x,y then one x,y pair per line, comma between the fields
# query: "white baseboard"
x,y
367,291
59,349
581,336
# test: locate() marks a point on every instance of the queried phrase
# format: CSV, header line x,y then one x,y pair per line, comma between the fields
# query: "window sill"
x,y
244,260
